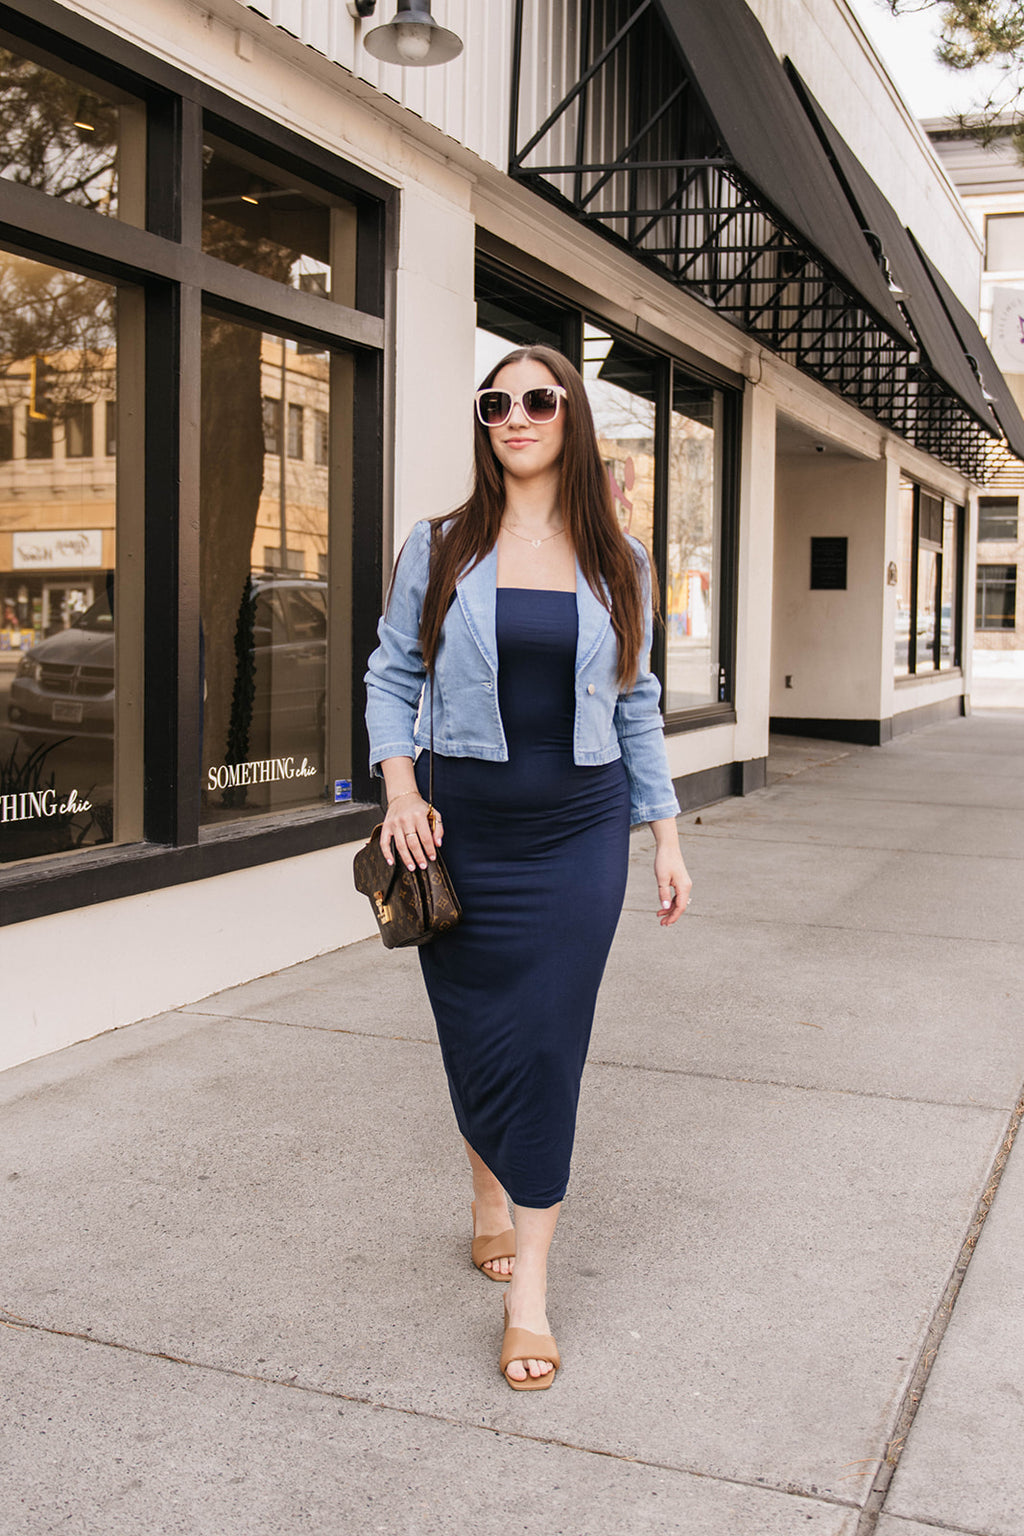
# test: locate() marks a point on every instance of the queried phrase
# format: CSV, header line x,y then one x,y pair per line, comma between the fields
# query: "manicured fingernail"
x,y
666,904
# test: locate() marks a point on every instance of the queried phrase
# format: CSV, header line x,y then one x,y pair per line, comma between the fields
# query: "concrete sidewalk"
x,y
236,1277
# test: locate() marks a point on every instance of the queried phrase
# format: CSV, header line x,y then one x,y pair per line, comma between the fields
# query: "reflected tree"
x,y
56,136
231,469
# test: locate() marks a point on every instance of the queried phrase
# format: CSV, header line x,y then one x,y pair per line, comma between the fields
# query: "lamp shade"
x,y
413,38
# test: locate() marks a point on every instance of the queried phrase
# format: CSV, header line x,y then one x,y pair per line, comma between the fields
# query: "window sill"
x,y
65,882
700,718
918,679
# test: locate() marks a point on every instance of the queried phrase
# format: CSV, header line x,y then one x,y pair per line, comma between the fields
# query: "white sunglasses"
x,y
540,405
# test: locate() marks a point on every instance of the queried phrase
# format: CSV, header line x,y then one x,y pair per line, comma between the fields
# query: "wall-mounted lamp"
x,y
875,242
413,37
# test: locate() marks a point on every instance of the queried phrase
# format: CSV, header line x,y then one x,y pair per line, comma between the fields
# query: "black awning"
x,y
1002,405
680,137
939,341
744,88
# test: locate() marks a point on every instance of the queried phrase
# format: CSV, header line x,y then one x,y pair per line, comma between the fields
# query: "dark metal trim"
x,y
88,878
700,718
512,263
107,248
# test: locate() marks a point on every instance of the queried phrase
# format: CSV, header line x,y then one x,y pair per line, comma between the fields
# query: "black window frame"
x,y
575,307
165,260
989,504
1009,579
922,537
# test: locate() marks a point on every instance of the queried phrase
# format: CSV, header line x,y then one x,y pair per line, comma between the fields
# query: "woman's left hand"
x,y
674,884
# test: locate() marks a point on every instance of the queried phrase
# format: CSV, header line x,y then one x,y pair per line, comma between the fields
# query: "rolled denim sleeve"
x,y
639,726
395,672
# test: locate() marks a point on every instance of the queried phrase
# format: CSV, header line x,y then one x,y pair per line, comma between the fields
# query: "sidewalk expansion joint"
x,y
744,835
323,1029
778,1082
11,1320
922,1523
910,935
875,1502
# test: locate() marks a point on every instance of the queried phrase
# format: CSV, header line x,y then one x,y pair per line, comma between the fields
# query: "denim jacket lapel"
x,y
594,620
476,595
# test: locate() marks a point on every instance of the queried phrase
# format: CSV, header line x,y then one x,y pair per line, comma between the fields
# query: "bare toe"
x,y
516,1370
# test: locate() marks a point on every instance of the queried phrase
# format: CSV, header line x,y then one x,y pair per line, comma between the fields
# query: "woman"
x,y
533,613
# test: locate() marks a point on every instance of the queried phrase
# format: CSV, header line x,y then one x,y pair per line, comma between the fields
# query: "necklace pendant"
x,y
536,543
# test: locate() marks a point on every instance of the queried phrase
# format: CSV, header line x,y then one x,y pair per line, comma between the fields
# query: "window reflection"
x,y
904,581
927,618
620,382
948,617
71,136
255,217
691,596
263,551
57,559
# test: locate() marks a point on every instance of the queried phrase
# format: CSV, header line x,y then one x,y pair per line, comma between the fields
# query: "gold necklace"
x,y
526,538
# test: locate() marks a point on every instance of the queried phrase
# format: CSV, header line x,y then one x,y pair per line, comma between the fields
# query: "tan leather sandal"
x,y
503,1246
521,1344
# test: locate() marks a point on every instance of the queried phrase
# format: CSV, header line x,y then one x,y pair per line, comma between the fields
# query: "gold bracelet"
x,y
403,796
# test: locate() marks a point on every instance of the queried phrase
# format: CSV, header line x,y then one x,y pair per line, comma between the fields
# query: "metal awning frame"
x,y
782,291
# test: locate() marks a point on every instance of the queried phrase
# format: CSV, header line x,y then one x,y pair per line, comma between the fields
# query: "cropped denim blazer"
x,y
467,722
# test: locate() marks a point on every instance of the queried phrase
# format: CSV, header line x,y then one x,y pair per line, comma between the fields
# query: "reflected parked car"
x,y
64,686
289,650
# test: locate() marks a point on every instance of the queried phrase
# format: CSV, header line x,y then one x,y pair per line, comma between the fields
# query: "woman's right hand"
x,y
407,826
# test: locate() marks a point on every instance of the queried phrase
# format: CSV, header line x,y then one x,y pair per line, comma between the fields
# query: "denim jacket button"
x,y
590,687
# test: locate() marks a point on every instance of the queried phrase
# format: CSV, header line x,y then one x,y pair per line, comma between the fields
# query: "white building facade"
x,y
990,181
250,280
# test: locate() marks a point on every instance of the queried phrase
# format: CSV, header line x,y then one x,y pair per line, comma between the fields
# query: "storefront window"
x,y
996,606
927,577
58,339
927,565
256,216
905,579
507,317
692,577
263,558
622,387
676,508
949,619
70,136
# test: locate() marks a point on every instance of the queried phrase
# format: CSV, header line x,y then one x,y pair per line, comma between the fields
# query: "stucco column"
x,y
754,591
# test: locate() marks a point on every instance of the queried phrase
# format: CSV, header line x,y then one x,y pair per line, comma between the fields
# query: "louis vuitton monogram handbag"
x,y
411,906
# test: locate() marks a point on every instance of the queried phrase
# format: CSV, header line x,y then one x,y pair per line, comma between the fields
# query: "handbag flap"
x,y
371,870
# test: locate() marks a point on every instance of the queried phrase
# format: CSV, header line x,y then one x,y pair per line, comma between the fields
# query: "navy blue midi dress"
x,y
537,849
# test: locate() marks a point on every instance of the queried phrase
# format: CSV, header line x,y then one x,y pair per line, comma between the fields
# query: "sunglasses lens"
x,y
494,406
541,404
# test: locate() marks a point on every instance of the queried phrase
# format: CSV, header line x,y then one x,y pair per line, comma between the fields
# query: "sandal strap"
x,y
501,1247
521,1344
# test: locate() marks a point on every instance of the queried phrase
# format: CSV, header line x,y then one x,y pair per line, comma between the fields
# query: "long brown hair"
x,y
462,539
